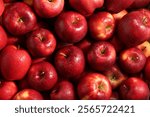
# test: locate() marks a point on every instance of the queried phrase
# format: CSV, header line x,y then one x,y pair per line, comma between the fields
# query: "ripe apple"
x,y
7,90
3,38
69,62
139,4
28,94
41,43
19,18
116,6
134,89
15,62
115,76
132,60
42,76
63,90
1,7
145,48
101,55
94,86
139,20
71,27
48,8
86,7
101,25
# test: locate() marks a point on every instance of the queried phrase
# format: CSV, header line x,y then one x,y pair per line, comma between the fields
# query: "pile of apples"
x,y
74,49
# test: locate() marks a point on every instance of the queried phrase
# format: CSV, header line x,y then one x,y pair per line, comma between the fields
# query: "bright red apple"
x,y
134,89
94,86
15,62
28,94
3,38
71,27
101,25
63,90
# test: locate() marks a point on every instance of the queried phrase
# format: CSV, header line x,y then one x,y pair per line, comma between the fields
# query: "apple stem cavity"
x,y
76,20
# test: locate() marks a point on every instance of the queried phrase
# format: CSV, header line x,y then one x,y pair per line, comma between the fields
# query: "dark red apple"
x,y
101,25
69,62
134,28
42,76
139,4
19,18
3,38
101,55
7,90
41,43
64,90
94,86
15,62
48,8
132,60
134,89
86,7
1,7
115,76
71,27
116,6
28,94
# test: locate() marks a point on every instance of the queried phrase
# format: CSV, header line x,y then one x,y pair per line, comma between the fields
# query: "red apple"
x,y
132,60
1,7
42,76
115,76
134,89
140,3
101,25
3,38
94,86
101,55
64,90
7,90
28,94
48,8
41,43
71,27
69,62
134,28
116,6
19,18
15,62
86,7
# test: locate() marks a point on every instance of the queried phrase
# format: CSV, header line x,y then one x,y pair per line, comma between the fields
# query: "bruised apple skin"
x,y
134,28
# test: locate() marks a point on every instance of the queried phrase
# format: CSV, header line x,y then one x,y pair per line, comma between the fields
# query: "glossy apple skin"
x,y
19,18
71,27
41,43
101,55
15,63
7,90
101,25
116,6
48,8
146,70
86,7
94,86
132,60
115,76
134,89
1,7
42,76
139,20
63,90
139,4
3,38
28,94
69,62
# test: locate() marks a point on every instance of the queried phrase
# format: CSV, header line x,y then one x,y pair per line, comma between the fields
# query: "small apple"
x,y
101,25
101,55
71,27
7,90
63,90
134,89
28,94
94,86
